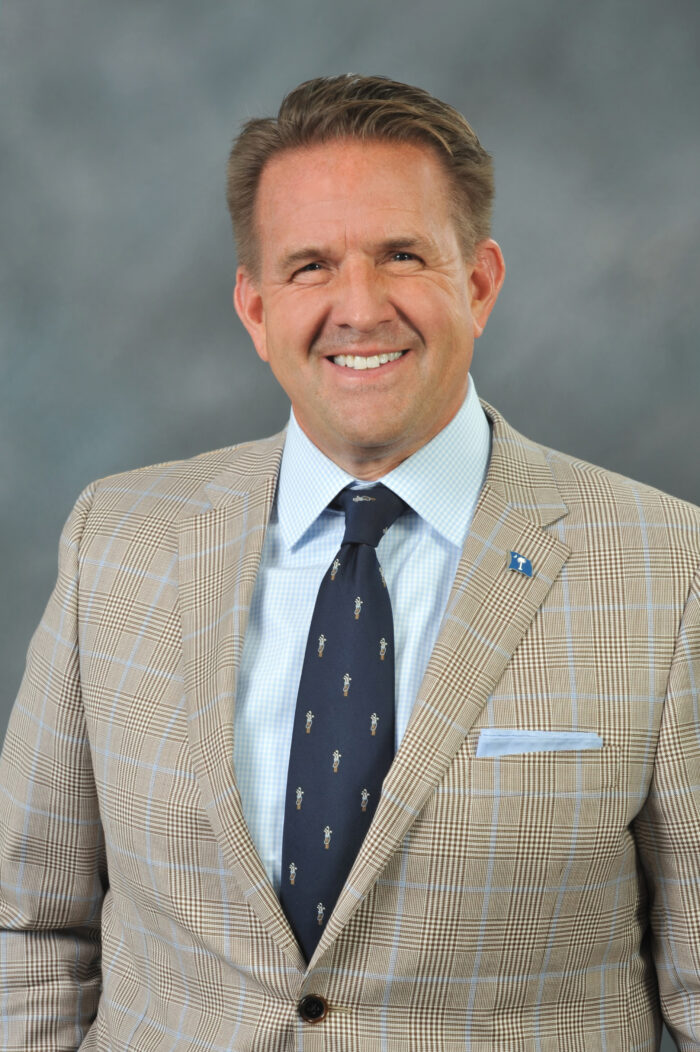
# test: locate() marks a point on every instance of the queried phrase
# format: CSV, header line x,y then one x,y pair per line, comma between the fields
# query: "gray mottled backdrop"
x,y
119,343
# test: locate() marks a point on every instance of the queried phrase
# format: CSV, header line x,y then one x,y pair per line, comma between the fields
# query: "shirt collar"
x,y
441,481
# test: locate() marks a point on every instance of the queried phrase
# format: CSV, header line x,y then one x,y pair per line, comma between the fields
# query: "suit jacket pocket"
x,y
555,811
541,761
533,812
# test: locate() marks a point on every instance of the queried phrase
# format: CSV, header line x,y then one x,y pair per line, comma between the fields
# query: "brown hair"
x,y
366,108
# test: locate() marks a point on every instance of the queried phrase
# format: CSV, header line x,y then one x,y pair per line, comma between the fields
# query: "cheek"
x,y
291,326
434,311
455,331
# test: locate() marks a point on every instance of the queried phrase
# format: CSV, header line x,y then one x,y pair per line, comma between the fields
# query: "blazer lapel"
x,y
489,611
219,555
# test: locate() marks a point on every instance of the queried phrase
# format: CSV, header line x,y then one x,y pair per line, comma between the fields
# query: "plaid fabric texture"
x,y
546,900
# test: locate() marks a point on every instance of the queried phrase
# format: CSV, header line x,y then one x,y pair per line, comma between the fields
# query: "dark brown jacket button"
x,y
312,1008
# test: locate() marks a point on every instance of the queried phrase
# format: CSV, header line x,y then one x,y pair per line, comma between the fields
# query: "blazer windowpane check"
x,y
541,900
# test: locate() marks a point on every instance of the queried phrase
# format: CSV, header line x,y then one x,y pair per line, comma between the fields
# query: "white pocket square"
x,y
497,741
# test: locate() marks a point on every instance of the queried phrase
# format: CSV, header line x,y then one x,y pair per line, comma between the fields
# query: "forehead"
x,y
351,188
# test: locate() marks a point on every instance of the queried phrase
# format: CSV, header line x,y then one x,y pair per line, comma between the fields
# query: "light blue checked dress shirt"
x,y
441,483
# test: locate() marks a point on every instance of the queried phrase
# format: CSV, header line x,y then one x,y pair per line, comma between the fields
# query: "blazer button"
x,y
313,1008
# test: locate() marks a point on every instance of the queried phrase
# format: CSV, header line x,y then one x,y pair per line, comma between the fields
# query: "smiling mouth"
x,y
361,362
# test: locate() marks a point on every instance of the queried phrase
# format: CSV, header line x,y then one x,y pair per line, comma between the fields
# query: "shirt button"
x,y
313,1008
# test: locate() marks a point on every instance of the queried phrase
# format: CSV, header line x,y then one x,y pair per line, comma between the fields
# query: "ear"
x,y
488,271
247,300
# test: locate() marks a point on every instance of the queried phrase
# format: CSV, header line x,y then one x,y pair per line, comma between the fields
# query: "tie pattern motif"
x,y
343,736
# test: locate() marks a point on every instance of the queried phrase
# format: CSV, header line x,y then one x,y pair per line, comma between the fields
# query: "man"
x,y
528,874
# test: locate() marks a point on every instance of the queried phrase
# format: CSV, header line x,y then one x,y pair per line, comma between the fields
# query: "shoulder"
x,y
604,508
582,482
176,489
606,503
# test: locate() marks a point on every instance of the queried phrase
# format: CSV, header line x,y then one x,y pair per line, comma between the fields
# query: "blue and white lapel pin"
x,y
520,563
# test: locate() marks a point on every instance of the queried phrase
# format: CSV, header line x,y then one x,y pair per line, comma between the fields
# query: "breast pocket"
x,y
547,814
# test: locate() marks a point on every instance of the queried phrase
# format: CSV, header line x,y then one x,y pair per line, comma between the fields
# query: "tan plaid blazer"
x,y
543,900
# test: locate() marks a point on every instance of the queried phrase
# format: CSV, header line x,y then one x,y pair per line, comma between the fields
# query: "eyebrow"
x,y
404,244
301,255
394,244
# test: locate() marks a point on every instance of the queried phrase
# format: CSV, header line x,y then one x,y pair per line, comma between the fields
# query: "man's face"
x,y
360,259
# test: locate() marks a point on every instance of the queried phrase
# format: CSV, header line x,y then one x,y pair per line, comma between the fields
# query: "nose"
x,y
361,298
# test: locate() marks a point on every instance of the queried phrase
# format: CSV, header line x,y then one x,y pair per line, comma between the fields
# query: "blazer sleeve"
x,y
52,867
668,838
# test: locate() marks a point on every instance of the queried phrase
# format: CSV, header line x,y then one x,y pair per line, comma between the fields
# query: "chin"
x,y
370,437
376,426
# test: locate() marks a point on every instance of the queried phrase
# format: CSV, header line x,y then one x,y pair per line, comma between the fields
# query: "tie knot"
x,y
368,513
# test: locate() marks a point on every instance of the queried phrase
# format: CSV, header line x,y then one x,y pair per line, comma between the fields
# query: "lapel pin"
x,y
520,563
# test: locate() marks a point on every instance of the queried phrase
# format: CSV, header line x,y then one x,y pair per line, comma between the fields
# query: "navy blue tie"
x,y
343,737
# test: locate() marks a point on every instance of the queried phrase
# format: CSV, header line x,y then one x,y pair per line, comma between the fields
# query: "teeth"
x,y
357,361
